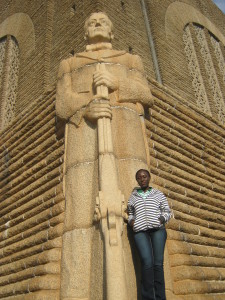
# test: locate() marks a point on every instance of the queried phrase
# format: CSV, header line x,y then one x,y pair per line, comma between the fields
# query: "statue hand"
x,y
98,109
105,78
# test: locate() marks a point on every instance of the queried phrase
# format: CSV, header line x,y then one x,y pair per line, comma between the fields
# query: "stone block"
x,y
76,264
81,197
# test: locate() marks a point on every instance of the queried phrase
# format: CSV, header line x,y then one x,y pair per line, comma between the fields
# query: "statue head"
x,y
98,28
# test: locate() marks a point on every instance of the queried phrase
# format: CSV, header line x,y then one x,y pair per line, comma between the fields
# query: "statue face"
x,y
98,28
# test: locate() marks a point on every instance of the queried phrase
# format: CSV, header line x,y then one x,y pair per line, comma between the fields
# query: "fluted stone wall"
x,y
188,165
32,205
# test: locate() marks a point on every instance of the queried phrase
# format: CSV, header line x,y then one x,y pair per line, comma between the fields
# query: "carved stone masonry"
x,y
194,69
219,55
100,94
210,70
9,71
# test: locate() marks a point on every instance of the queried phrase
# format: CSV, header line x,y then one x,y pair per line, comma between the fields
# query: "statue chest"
x,y
82,75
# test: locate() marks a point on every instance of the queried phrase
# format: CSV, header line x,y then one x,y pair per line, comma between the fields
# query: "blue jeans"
x,y
150,245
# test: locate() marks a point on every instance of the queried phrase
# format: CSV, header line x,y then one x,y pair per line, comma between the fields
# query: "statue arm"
x,y
134,88
68,102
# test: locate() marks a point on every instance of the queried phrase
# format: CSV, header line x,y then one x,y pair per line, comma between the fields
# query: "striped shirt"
x,y
146,208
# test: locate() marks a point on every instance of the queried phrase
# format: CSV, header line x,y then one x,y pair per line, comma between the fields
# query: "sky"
x,y
220,4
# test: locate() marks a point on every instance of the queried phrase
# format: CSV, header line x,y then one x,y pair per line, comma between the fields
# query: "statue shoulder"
x,y
64,67
67,65
136,62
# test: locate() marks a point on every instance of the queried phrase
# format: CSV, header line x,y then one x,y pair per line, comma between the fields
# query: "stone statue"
x,y
100,93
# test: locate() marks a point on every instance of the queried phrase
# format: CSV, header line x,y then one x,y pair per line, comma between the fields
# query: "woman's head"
x,y
143,178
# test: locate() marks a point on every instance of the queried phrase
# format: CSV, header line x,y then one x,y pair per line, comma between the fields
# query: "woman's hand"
x,y
132,223
162,220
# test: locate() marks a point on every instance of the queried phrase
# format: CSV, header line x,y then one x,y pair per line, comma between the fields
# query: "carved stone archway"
x,y
178,15
21,27
17,41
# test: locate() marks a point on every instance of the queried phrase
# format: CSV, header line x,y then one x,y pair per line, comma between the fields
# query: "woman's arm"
x,y
165,209
130,211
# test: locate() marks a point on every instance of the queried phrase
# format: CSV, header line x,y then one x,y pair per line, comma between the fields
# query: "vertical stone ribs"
x,y
2,58
32,205
194,69
219,55
48,43
9,73
188,165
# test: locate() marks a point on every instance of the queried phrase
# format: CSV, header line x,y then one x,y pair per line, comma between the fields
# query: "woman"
x,y
148,211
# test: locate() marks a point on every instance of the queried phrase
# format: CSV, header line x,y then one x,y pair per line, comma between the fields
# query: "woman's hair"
x,y
142,170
